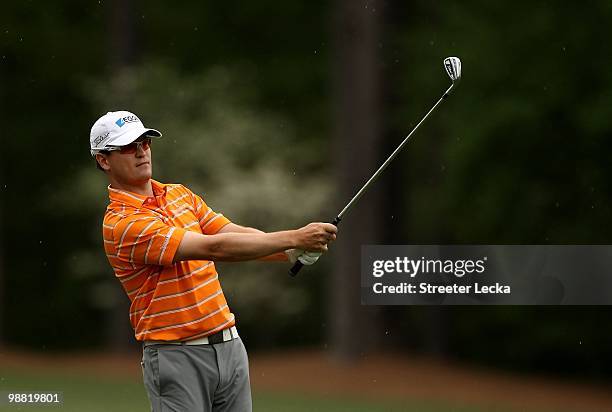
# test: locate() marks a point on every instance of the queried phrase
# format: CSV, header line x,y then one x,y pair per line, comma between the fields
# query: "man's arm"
x,y
234,228
251,245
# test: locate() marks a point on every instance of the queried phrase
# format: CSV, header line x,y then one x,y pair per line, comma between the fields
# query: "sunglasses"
x,y
130,148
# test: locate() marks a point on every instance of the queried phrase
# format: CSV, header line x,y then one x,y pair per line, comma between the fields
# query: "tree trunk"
x,y
357,137
119,333
2,277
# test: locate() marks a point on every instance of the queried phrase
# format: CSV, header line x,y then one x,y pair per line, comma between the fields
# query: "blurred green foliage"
x,y
242,94
520,153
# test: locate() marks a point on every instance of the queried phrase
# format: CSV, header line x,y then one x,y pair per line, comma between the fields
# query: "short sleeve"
x,y
210,221
143,239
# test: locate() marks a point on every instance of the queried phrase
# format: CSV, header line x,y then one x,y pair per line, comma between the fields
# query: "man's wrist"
x,y
290,237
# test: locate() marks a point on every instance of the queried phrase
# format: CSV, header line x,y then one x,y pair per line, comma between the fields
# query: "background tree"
x,y
122,47
358,135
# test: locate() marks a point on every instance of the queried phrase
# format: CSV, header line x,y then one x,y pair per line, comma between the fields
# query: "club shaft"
x,y
390,158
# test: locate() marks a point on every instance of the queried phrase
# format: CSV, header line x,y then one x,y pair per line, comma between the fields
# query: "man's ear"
x,y
103,162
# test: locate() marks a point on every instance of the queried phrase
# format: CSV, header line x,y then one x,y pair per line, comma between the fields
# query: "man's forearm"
x,y
234,228
232,247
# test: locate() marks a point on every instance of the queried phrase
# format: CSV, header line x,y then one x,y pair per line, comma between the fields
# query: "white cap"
x,y
117,129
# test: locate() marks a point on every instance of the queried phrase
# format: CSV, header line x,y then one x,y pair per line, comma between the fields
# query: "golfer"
x,y
162,241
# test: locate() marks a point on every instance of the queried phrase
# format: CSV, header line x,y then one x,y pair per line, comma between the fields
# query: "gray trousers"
x,y
197,378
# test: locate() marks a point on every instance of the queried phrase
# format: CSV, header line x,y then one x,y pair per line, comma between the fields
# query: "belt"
x,y
219,337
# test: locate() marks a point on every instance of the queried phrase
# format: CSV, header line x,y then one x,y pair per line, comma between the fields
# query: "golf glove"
x,y
306,258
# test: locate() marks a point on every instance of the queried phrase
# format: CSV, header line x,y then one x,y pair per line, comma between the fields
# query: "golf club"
x,y
452,65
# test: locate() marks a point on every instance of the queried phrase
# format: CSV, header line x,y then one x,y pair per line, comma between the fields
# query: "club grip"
x,y
295,269
297,266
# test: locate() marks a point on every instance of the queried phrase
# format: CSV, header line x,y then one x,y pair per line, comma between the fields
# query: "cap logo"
x,y
127,119
100,139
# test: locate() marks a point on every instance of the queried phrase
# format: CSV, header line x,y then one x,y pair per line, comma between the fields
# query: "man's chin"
x,y
144,172
143,176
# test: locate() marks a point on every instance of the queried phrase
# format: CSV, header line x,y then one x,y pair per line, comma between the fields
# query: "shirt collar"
x,y
135,199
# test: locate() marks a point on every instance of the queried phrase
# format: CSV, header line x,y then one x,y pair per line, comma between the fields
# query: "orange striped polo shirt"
x,y
169,301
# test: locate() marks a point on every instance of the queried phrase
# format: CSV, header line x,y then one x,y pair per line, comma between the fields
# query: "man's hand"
x,y
314,237
307,258
311,241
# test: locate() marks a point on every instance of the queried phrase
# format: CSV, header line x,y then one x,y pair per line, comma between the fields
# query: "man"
x,y
162,241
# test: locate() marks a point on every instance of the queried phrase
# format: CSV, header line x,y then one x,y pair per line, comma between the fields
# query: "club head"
x,y
453,68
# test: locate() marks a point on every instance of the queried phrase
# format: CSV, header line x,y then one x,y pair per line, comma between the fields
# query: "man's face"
x,y
131,166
